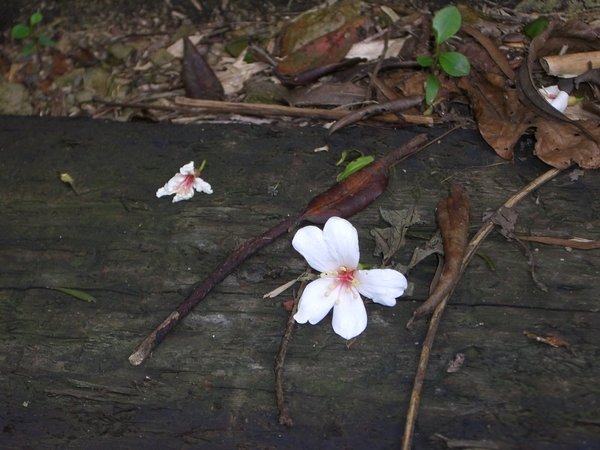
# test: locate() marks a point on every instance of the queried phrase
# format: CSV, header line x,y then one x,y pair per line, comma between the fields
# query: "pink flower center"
x,y
187,183
345,276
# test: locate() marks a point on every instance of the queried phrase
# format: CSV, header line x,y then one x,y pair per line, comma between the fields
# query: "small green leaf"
x,y
455,64
28,49
354,167
35,18
343,157
79,295
45,40
532,29
432,87
446,23
425,61
20,31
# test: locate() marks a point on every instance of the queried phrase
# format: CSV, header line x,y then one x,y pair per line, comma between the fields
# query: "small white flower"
x,y
334,252
184,183
557,98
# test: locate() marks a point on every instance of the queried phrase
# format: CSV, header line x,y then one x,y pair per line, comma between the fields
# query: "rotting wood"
x,y
210,385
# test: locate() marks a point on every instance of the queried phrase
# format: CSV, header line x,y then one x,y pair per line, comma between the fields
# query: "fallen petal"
x,y
349,314
315,303
382,286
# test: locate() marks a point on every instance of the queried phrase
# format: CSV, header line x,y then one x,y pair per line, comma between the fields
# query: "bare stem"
x,y
284,412
486,228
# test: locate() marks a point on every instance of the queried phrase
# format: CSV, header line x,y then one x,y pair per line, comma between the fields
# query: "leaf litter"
x,y
357,57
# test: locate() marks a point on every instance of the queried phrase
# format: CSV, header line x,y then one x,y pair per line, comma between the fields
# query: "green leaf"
x,y
354,167
28,49
446,23
532,29
455,64
79,295
425,61
45,40
343,157
432,87
20,31
35,18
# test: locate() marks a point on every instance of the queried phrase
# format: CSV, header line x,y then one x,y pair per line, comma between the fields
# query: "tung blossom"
x,y
184,183
334,252
557,98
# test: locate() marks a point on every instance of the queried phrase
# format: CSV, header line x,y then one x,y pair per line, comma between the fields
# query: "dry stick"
x,y
284,412
280,110
197,106
474,244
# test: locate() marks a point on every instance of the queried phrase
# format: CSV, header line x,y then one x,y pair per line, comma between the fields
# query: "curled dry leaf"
x,y
500,117
453,221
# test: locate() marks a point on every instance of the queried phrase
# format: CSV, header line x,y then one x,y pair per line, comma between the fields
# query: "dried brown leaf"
x,y
560,145
500,117
453,221
198,78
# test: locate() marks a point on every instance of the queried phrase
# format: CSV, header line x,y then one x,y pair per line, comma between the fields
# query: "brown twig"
x,y
280,110
284,412
198,106
415,398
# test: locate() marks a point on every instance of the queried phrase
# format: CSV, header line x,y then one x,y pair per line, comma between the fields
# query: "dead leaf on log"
x,y
453,222
391,239
500,117
551,340
198,78
560,145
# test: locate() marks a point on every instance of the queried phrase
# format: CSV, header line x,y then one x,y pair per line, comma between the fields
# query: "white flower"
x,y
334,252
184,183
557,98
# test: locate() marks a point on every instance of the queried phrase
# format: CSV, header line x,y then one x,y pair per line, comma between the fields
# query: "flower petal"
x,y
162,191
382,286
561,101
315,303
342,242
187,169
349,314
202,186
309,242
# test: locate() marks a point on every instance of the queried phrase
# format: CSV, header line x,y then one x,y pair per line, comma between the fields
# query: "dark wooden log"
x,y
64,376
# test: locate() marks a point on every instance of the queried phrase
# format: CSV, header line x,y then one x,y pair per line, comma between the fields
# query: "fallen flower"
x,y
184,183
334,252
557,98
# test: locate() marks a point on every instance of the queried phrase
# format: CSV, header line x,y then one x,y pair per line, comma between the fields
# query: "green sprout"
x,y
352,166
446,23
30,33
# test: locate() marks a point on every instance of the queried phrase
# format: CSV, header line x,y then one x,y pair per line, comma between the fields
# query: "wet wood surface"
x,y
65,381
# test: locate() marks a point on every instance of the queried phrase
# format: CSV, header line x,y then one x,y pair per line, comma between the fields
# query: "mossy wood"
x,y
65,381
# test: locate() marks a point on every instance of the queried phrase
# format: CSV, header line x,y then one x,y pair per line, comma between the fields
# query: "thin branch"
x,y
187,105
474,244
284,412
